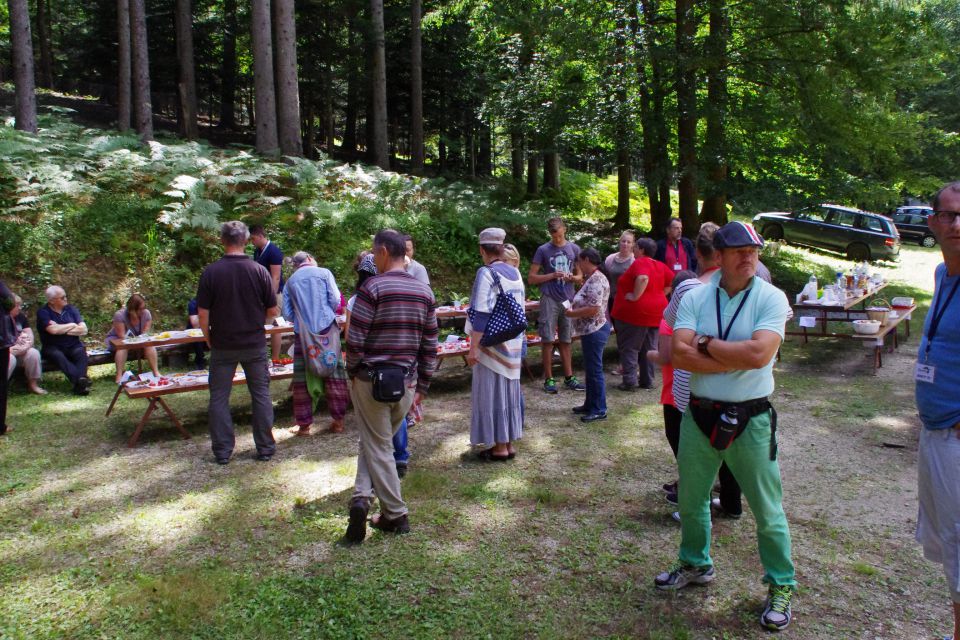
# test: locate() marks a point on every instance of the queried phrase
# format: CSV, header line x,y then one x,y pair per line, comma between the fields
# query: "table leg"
x,y
173,418
113,402
132,442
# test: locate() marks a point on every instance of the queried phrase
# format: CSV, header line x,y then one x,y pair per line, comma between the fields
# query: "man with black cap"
x,y
727,334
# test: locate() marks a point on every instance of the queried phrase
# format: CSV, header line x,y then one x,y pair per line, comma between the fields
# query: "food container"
x,y
866,327
901,302
879,310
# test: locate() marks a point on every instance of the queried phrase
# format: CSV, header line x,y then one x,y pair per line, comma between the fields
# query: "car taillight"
x,y
889,242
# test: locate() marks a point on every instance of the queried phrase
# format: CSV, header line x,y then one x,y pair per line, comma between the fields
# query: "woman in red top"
x,y
637,310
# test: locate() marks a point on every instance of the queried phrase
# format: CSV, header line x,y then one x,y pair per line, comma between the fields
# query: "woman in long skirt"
x,y
497,416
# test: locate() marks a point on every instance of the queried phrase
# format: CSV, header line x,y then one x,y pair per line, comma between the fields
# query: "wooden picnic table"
x,y
122,343
154,396
890,328
845,312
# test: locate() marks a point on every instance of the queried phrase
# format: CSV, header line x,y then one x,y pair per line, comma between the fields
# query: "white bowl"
x,y
866,327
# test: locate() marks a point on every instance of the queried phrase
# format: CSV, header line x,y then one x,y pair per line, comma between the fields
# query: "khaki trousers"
x,y
376,469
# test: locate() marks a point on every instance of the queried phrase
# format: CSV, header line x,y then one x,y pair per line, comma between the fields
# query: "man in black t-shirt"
x,y
235,299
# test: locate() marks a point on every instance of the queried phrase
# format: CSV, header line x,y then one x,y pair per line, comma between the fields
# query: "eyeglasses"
x,y
946,217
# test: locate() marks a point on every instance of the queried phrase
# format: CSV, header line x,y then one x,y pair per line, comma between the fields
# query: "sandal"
x,y
302,431
487,455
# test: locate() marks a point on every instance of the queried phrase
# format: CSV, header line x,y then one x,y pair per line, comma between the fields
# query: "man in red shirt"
x,y
637,310
675,251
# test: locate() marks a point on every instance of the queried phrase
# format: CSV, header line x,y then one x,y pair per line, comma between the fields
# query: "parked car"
x,y
861,235
911,222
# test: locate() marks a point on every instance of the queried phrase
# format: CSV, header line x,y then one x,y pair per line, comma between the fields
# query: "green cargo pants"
x,y
759,478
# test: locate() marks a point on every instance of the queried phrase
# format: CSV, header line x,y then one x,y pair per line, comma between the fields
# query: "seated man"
x,y
60,326
23,352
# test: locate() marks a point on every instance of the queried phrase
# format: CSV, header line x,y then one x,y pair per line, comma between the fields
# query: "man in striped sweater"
x,y
393,323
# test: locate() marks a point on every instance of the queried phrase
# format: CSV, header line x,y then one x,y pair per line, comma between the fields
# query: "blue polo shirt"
x,y
766,307
269,256
46,315
939,401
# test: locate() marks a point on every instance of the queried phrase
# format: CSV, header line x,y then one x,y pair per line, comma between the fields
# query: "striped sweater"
x,y
393,321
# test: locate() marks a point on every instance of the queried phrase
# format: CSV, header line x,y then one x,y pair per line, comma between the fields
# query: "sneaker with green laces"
x,y
572,383
776,613
681,574
550,385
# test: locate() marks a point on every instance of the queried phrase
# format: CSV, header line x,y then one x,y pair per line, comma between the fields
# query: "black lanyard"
x,y
726,332
938,312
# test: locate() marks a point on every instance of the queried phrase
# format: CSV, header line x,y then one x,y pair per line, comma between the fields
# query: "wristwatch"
x,y
702,343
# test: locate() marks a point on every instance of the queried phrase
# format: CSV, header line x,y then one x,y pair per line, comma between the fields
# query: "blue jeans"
x,y
400,453
593,344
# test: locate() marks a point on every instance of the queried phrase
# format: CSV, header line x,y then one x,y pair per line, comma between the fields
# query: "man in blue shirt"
x,y
60,326
270,257
555,270
727,334
938,400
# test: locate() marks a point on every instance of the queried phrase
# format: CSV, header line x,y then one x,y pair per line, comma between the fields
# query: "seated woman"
x,y
60,326
133,320
23,353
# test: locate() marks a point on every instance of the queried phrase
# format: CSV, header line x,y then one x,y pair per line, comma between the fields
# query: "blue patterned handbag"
x,y
506,321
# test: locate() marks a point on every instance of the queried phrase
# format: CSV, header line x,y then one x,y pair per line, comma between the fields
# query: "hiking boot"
x,y
626,386
776,612
593,417
680,575
401,469
581,410
357,525
573,384
671,487
398,525
550,385
672,497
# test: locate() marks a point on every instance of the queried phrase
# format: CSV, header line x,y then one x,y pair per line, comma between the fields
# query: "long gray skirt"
x,y
497,414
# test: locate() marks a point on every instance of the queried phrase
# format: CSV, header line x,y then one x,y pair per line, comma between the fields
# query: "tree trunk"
x,y
622,218
349,144
516,157
187,86
228,66
533,170
652,89
485,155
551,170
686,79
123,65
715,199
265,93
379,145
288,96
43,36
25,108
142,104
416,90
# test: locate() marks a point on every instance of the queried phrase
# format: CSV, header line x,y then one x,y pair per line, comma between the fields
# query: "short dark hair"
x,y
647,245
592,256
407,238
671,221
492,249
952,186
392,241
257,230
686,274
554,224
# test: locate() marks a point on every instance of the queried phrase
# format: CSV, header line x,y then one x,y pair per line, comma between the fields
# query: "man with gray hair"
x,y
235,299
60,326
311,299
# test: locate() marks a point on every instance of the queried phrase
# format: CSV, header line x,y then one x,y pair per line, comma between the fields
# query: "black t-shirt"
x,y
7,335
237,291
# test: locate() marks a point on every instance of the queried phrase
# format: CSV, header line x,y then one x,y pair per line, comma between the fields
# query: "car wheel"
x,y
858,252
928,241
773,232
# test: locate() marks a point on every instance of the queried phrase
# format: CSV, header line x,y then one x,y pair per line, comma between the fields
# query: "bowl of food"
x,y
866,327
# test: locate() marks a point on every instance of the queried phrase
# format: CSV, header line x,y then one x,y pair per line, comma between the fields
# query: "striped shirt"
x,y
681,378
393,321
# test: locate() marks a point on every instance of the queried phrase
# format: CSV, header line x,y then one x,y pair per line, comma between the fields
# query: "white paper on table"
x,y
280,322
126,377
149,377
807,321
